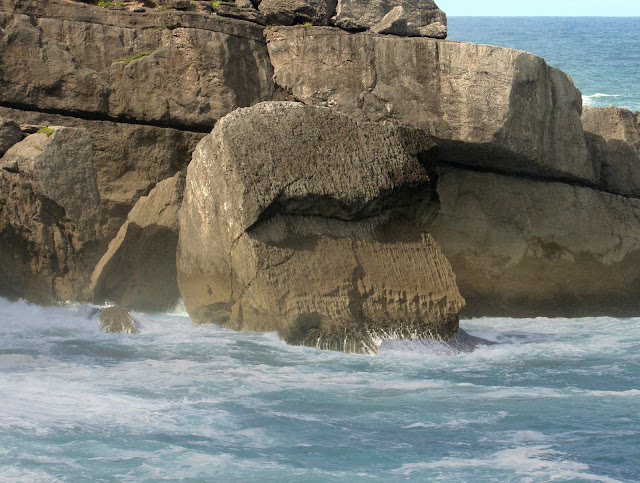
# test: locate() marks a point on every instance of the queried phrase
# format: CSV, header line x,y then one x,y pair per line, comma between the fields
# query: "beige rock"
x,y
138,271
395,23
524,248
299,220
116,320
487,107
614,140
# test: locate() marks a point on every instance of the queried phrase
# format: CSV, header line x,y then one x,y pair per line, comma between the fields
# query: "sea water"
x,y
548,400
601,54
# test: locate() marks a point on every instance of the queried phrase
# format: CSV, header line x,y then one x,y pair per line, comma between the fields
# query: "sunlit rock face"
x,y
303,221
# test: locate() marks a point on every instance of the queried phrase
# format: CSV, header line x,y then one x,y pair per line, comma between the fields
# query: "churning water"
x,y
550,400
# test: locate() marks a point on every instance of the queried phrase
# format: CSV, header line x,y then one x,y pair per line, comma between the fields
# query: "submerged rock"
x,y
139,269
116,320
300,220
487,107
461,343
49,213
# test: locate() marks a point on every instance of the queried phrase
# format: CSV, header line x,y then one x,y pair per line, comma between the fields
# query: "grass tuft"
x,y
46,130
134,57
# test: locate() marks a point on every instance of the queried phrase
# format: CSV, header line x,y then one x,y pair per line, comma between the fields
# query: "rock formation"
x,y
116,320
49,215
299,220
487,107
10,134
526,248
614,140
138,272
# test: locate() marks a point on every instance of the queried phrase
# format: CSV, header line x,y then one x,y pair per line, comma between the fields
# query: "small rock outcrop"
x,y
49,214
614,141
138,271
299,220
487,107
116,320
289,12
423,18
10,134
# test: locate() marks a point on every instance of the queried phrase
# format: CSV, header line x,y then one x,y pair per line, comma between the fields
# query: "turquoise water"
x,y
552,400
602,54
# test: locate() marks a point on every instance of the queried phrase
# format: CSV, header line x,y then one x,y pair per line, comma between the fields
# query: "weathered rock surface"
x,y
138,272
524,248
10,134
393,23
289,12
116,320
299,220
488,107
130,159
614,140
178,69
49,213
424,18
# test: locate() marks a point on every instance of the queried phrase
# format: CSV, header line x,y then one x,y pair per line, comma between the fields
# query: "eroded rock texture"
x,y
614,140
525,248
10,134
116,320
301,220
138,272
49,216
488,107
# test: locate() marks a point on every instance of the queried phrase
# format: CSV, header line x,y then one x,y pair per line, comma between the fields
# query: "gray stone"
x,y
116,320
614,141
299,220
487,107
524,248
365,14
10,134
138,271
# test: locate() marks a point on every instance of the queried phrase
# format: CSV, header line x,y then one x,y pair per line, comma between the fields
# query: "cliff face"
x,y
536,216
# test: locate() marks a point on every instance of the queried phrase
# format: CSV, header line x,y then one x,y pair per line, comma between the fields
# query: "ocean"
x,y
544,400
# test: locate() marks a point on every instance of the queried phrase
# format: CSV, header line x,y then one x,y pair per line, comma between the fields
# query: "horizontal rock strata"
x,y
525,248
488,107
299,220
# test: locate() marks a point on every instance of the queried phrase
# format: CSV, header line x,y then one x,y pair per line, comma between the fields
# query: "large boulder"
x,y
614,140
49,214
488,107
423,17
178,69
10,134
289,12
525,248
299,220
138,271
